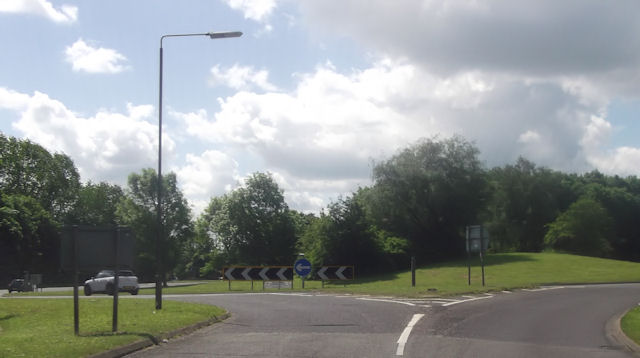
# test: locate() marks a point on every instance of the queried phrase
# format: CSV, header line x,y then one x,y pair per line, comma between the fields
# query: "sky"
x,y
316,92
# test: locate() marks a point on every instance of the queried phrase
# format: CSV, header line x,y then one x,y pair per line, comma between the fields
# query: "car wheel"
x,y
134,292
110,289
87,290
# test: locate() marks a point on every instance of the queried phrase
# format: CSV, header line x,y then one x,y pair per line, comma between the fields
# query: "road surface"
x,y
552,322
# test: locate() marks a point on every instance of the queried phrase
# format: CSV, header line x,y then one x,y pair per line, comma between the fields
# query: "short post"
x,y
468,258
413,271
76,314
116,281
481,250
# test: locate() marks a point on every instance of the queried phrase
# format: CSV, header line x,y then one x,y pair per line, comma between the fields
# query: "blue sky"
x,y
315,91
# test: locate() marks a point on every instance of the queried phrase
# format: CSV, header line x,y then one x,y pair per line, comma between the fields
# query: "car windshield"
x,y
105,273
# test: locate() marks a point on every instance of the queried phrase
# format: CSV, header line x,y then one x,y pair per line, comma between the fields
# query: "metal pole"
x,y
116,281
468,258
159,208
413,271
159,238
76,301
481,250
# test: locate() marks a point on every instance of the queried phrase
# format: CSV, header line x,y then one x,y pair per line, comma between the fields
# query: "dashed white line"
x,y
404,337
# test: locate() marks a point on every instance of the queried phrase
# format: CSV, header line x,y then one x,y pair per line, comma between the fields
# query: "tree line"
x,y
420,201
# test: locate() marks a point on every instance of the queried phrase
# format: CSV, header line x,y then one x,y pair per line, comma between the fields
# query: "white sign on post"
x,y
477,235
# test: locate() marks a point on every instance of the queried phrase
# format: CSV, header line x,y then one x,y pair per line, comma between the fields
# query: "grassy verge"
x,y
502,271
44,327
630,324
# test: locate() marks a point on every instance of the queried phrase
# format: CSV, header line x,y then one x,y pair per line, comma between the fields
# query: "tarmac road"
x,y
572,321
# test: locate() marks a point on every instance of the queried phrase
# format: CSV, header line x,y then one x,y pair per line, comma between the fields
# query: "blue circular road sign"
x,y
302,267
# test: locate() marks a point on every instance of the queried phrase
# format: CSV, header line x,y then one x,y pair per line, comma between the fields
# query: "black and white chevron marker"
x,y
328,273
258,273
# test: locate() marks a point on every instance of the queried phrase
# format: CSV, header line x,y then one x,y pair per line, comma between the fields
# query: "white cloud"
x,y
106,146
530,37
213,173
257,10
86,58
65,14
241,78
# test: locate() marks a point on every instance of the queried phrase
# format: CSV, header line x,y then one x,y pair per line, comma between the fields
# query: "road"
x,y
552,322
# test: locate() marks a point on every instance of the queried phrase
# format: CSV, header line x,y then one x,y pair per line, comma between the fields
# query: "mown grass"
x,y
44,327
630,324
502,271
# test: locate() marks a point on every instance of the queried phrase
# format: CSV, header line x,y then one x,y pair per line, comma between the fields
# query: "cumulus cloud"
x,y
257,10
64,14
212,173
323,136
105,146
86,58
241,78
541,37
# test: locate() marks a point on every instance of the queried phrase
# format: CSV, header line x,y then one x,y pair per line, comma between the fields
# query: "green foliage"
x,y
525,199
28,169
138,211
427,194
343,236
28,234
585,228
97,205
251,225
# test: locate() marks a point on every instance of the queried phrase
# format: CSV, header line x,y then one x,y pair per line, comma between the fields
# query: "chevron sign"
x,y
258,273
328,273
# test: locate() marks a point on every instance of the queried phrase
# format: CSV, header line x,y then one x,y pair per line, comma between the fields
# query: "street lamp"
x,y
159,269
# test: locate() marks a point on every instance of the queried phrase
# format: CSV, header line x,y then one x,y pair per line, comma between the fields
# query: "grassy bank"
x,y
630,324
502,271
44,327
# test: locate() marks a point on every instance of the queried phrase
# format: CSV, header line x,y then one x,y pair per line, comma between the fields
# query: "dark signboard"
x,y
96,248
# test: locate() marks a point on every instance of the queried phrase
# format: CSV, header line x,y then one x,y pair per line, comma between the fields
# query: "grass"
x,y
44,327
502,271
630,324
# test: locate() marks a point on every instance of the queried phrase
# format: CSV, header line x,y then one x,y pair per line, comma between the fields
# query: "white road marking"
x,y
543,288
404,337
383,300
470,298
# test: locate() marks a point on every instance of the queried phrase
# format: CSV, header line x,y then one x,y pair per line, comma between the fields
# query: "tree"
x,y
525,199
343,236
427,194
28,235
585,229
138,210
97,205
28,169
252,224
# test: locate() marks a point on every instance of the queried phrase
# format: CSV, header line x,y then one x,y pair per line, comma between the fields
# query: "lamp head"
x,y
224,35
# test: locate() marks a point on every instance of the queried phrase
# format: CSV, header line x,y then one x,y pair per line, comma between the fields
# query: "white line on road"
x,y
471,298
383,300
404,337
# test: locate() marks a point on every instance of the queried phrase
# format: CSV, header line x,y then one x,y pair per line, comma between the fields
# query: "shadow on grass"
x,y
489,260
7,317
149,336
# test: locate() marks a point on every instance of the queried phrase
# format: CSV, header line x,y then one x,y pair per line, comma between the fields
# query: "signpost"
x,y
302,267
477,241
85,249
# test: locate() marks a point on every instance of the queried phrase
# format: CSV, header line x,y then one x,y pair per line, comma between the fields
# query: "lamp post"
x,y
159,268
